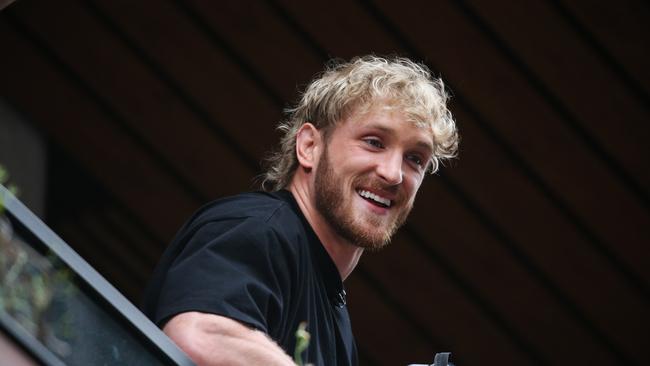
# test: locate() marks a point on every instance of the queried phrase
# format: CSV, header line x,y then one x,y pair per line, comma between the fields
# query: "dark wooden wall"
x,y
531,248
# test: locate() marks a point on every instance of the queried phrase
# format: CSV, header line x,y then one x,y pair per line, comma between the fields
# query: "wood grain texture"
x,y
530,248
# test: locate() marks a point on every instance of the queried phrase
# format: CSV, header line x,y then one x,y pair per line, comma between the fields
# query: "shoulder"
x,y
254,216
261,210
260,206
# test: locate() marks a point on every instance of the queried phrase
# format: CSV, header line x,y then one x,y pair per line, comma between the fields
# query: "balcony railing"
x,y
55,309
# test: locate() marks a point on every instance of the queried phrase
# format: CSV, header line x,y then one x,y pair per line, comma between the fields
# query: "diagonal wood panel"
x,y
141,184
506,285
327,30
265,42
113,273
383,338
334,11
153,113
548,45
426,294
612,122
600,335
620,31
566,174
557,247
529,249
213,81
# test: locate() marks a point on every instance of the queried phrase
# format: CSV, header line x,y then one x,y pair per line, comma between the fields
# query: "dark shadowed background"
x,y
530,249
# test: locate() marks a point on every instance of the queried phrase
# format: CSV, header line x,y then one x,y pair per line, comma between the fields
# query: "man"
x,y
245,271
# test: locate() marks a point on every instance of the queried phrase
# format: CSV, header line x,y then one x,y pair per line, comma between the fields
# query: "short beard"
x,y
330,202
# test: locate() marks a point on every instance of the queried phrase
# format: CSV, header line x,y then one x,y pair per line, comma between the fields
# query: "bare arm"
x,y
216,340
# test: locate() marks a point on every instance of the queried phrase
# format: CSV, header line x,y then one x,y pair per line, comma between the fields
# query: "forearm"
x,y
212,340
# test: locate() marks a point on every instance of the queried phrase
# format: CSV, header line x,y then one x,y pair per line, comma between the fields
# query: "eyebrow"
x,y
388,129
425,145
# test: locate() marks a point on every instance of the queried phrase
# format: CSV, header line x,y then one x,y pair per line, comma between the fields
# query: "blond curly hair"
x,y
353,87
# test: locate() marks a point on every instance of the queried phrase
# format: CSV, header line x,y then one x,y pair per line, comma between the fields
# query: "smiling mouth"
x,y
375,199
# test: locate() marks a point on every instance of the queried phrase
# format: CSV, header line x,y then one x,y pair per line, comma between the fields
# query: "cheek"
x,y
356,164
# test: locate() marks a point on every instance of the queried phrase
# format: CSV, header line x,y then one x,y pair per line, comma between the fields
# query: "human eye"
x,y
374,142
416,159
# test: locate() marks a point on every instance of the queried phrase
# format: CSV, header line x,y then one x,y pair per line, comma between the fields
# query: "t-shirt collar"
x,y
331,275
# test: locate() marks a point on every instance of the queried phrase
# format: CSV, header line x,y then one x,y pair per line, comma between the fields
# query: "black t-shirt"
x,y
255,258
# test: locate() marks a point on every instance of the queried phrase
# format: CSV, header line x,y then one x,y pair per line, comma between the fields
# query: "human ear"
x,y
308,141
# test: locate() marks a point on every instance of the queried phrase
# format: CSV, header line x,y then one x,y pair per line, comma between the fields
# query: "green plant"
x,y
302,342
31,283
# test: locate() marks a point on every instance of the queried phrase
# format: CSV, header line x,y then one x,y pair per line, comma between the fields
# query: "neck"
x,y
344,254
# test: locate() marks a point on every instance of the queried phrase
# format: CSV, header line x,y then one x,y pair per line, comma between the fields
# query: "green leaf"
x,y
302,342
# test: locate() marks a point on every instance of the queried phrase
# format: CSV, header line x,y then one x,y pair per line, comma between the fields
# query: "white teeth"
x,y
374,197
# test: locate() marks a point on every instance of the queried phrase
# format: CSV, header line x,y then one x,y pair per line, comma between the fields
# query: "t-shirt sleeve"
x,y
238,269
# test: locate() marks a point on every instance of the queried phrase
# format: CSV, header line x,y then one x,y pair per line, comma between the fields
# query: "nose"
x,y
389,168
